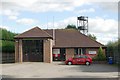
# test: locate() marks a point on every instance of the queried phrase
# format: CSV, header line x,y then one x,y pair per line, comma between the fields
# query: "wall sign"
x,y
92,52
56,51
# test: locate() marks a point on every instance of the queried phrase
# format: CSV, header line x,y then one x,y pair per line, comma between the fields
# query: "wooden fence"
x,y
8,57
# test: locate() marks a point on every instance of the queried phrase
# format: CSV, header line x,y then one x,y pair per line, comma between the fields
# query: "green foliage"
x,y
8,46
6,35
110,48
100,56
113,47
92,36
113,50
118,46
7,41
71,26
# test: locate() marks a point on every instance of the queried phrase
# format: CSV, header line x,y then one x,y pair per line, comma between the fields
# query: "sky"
x,y
21,15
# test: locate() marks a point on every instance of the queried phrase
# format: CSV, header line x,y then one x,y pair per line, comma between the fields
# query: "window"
x,y
56,51
76,51
79,51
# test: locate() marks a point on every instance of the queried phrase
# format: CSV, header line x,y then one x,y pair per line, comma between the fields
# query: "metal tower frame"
x,y
82,24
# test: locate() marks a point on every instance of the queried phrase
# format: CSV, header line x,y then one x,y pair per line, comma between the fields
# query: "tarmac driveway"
x,y
58,70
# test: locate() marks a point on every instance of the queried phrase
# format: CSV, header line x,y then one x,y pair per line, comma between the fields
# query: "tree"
x,y
6,41
100,56
7,35
71,26
92,36
113,50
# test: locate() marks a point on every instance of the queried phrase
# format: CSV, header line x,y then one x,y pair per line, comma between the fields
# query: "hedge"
x,y
7,41
8,46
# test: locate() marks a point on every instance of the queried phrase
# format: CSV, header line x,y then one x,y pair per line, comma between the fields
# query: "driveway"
x,y
58,70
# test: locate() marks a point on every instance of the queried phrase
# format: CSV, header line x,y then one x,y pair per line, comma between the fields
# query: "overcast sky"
x,y
21,15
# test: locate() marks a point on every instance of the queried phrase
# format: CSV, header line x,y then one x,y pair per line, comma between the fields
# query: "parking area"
x,y
57,70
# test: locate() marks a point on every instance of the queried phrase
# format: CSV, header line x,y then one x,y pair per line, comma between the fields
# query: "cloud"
x,y
111,6
41,5
10,13
104,29
48,5
103,25
26,21
5,27
55,5
61,24
104,38
13,8
86,10
12,17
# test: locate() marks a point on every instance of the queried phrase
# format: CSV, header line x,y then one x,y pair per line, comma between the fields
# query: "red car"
x,y
79,59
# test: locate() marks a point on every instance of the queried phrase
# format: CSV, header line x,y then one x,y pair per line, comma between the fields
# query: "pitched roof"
x,y
63,37
72,38
34,33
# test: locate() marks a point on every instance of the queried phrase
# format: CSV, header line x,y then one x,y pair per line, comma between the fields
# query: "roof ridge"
x,y
27,31
35,28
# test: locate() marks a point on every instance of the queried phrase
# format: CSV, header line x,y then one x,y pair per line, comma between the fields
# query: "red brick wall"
x,y
47,51
69,53
91,49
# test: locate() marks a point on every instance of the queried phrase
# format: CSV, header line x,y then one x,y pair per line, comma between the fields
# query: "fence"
x,y
8,57
114,54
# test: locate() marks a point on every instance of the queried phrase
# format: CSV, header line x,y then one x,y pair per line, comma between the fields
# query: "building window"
x,y
76,51
59,54
56,51
79,51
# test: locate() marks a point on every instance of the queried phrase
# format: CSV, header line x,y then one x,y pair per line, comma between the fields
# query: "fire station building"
x,y
37,45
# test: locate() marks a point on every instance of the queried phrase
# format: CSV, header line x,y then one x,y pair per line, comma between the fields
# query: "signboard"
x,y
92,52
56,51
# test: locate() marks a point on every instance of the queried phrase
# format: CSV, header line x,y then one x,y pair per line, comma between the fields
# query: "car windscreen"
x,y
77,56
83,56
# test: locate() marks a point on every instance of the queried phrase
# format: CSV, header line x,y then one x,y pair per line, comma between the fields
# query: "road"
x,y
57,70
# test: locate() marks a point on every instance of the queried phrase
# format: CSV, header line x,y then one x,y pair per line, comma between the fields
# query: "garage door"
x,y
33,50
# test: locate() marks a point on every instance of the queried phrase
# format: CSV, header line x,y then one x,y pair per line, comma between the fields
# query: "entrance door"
x,y
33,50
62,54
79,51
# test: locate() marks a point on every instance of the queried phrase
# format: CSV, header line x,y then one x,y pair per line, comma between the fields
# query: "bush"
x,y
7,41
6,35
100,56
8,46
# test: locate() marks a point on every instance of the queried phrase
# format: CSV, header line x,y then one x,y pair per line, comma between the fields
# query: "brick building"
x,y
37,45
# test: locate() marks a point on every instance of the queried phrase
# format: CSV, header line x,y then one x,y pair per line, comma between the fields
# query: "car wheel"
x,y
69,63
87,63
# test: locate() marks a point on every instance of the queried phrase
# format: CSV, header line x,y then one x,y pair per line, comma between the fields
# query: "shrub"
x,y
7,41
8,46
100,56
